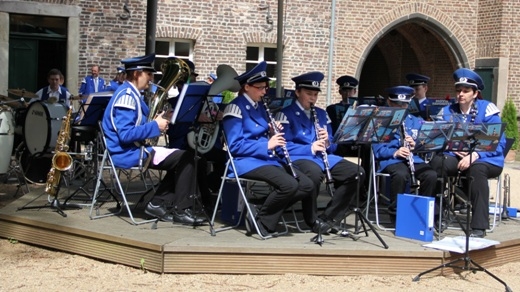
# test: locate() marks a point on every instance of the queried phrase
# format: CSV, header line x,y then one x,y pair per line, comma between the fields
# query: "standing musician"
x,y
247,127
347,89
420,84
125,125
394,156
307,131
479,165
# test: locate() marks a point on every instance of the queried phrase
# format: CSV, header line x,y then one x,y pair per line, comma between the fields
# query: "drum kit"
x,y
33,128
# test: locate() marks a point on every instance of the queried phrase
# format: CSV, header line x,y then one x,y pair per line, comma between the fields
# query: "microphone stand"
x,y
469,264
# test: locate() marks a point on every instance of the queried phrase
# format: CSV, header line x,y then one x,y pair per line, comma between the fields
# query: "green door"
x,y
487,77
23,64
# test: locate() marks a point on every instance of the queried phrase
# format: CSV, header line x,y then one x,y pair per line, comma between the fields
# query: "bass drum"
x,y
6,138
42,126
35,167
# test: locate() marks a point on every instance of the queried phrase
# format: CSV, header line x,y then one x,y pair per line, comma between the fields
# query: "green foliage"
x,y
143,267
509,114
12,240
228,96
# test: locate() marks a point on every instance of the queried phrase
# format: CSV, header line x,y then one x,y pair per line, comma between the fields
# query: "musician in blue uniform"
x,y
126,127
420,84
393,157
247,130
347,89
480,165
92,83
118,80
311,152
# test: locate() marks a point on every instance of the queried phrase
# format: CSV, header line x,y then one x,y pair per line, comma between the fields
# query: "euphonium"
x,y
174,70
206,136
61,161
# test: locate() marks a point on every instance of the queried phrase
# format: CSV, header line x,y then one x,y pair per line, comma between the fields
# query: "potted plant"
x,y
509,115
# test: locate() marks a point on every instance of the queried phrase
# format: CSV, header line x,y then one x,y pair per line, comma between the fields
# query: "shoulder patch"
x,y
125,100
491,109
232,110
281,117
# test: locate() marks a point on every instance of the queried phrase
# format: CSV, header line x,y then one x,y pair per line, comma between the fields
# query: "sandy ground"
x,y
30,268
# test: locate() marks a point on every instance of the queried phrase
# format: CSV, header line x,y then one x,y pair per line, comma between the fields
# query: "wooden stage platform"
x,y
184,249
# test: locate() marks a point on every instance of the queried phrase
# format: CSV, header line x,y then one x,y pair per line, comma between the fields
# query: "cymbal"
x,y
22,93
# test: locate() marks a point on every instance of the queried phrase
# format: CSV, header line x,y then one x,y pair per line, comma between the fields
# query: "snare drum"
x,y
42,126
6,138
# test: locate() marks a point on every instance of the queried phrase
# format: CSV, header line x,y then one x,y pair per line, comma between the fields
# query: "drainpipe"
x,y
331,50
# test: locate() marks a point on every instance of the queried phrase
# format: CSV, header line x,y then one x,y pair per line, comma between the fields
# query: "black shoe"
x,y
261,228
158,212
481,233
321,226
186,216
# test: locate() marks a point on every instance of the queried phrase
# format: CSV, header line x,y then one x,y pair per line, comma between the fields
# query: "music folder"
x,y
189,103
369,124
92,110
433,136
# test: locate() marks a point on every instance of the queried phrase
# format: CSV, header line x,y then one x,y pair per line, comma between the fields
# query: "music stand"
x,y
471,137
187,109
367,125
91,112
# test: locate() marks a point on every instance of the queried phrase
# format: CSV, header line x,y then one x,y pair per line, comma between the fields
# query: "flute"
x,y
324,156
413,182
272,122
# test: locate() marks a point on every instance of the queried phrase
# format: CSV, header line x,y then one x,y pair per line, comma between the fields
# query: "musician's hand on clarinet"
x,y
410,141
402,152
318,146
460,154
162,122
467,160
278,129
275,141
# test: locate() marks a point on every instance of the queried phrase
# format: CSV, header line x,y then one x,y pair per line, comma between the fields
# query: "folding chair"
x,y
374,191
245,187
143,174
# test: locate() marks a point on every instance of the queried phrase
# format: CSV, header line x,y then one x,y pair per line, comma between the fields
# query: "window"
x,y
258,53
182,49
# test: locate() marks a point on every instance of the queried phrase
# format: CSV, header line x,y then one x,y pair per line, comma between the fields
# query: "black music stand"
x,y
480,138
91,112
187,109
365,126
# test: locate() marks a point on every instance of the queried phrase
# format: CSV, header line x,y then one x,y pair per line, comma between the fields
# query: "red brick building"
x,y
376,41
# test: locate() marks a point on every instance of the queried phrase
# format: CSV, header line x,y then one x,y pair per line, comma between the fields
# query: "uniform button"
x,y
256,125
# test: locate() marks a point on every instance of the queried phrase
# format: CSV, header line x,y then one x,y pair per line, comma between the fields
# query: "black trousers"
x,y
345,175
400,176
178,186
287,191
479,196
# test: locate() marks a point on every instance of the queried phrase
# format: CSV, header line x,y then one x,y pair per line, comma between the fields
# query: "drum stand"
x,y
15,169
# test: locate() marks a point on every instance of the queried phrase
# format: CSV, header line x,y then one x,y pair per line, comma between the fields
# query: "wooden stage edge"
x,y
220,258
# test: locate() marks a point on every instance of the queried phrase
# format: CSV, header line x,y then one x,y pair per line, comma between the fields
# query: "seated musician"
x,y
480,165
394,157
247,129
54,92
309,143
420,84
347,89
126,127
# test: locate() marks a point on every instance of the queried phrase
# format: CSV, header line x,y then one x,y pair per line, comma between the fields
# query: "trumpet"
x,y
324,156
272,122
413,182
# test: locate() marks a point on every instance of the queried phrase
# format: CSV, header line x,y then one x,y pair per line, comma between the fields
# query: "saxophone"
x,y
174,70
61,161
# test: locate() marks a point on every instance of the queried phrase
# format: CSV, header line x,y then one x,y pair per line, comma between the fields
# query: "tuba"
x,y
174,70
61,161
206,136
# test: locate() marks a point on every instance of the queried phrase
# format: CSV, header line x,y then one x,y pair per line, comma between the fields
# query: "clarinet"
x,y
272,122
324,156
413,183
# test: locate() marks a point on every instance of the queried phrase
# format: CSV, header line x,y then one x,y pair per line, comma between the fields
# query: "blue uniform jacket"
x,y
113,86
246,130
487,112
300,133
125,126
87,85
384,152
